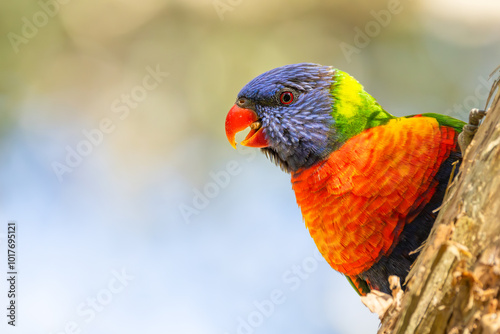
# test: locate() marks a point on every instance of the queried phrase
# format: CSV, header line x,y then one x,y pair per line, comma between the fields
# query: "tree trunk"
x,y
454,285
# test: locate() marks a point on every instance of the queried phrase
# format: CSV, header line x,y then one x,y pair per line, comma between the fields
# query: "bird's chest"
x,y
348,228
356,202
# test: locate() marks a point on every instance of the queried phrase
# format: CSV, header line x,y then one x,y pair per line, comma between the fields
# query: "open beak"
x,y
238,119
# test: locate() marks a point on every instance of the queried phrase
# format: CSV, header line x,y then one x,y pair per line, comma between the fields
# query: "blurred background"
x,y
134,213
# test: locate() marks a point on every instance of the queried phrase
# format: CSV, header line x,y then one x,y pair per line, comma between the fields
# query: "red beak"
x,y
238,119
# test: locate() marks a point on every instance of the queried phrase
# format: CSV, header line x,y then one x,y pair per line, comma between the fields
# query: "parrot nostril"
x,y
241,102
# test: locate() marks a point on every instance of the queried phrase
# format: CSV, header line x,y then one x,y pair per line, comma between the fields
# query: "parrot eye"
x,y
286,97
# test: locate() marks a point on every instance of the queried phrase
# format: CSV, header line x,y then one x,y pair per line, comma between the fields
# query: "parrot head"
x,y
289,113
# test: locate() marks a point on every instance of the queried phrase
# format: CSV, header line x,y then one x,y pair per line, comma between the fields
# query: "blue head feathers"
x,y
294,104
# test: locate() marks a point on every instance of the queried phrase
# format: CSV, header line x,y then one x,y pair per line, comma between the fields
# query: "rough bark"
x,y
454,285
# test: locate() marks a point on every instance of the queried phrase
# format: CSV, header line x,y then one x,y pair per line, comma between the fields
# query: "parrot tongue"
x,y
238,119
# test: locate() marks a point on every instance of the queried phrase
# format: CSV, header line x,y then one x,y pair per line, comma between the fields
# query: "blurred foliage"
x,y
88,53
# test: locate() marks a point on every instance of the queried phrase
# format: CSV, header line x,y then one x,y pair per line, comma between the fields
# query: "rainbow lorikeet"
x,y
368,183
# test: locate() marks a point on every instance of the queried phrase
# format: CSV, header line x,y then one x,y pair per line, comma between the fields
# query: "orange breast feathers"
x,y
356,202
